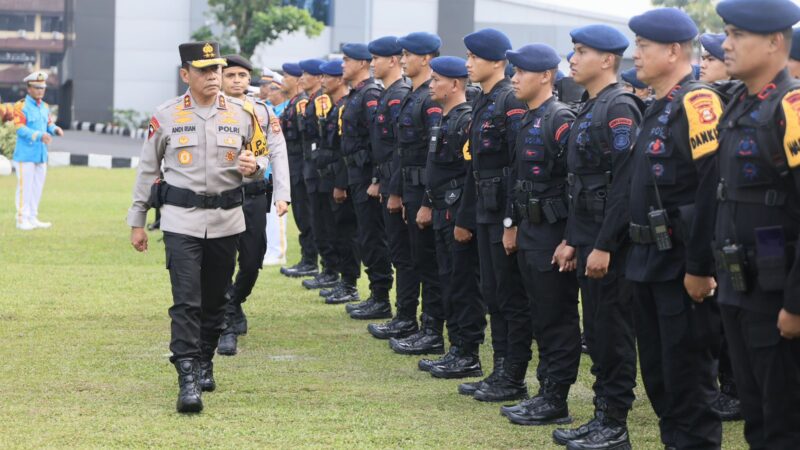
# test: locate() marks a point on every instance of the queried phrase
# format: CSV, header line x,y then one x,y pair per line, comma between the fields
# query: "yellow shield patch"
x,y
703,109
791,139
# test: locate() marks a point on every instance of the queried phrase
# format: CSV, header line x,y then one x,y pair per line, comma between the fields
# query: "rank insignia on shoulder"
x,y
791,137
152,127
703,109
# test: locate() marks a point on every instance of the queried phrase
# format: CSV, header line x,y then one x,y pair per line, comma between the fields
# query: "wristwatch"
x,y
508,222
375,180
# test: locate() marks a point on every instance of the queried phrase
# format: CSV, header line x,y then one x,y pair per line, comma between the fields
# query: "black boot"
x,y
527,403
426,364
206,381
324,279
552,409
510,385
727,405
562,436
465,364
235,319
327,292
428,340
473,386
348,293
378,309
301,269
611,434
189,395
398,327
228,344
350,307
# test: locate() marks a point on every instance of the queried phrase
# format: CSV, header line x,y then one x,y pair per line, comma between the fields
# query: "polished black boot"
x,y
510,385
398,327
527,403
562,436
726,404
552,409
428,340
377,309
465,364
327,292
473,386
610,434
189,394
350,307
228,343
426,364
206,381
301,269
348,293
324,279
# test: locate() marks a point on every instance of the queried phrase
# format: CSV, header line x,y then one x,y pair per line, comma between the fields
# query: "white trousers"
x,y
276,236
30,182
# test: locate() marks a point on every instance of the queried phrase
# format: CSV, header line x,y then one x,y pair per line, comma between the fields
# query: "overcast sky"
x,y
622,8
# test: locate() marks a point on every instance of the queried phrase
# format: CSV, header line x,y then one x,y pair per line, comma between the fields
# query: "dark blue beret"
x,y
509,70
795,52
629,76
292,69
601,37
696,71
712,43
560,75
759,16
570,55
665,25
534,57
332,68
311,66
488,43
420,43
385,46
357,51
450,66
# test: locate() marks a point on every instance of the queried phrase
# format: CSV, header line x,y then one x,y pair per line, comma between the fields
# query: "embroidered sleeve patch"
x,y
275,124
434,110
465,151
394,102
372,103
791,138
515,112
322,105
620,122
152,127
561,130
301,107
703,109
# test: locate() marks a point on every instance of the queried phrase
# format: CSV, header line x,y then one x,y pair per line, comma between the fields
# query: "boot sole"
x,y
385,337
329,301
190,409
227,353
208,388
299,275
559,421
452,376
621,446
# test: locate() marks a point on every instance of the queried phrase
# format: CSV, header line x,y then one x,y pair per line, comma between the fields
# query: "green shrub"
x,y
8,139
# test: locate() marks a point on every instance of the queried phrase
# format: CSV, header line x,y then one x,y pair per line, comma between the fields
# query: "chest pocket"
x,y
407,131
288,121
228,146
660,157
752,166
491,133
182,148
383,122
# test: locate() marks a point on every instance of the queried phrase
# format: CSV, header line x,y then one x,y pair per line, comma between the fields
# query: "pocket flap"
x,y
229,140
183,140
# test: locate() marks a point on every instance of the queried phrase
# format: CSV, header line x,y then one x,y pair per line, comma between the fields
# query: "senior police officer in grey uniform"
x,y
257,198
208,145
758,220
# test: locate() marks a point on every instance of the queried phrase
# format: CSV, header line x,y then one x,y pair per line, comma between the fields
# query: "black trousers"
x,y
252,247
767,371
372,244
423,254
345,241
199,270
322,229
407,288
552,314
465,312
301,210
675,337
607,306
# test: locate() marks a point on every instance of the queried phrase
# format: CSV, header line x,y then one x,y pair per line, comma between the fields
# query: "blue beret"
x,y
665,25
795,52
450,66
629,76
534,57
385,46
601,37
570,55
509,70
712,43
420,43
560,75
311,66
357,51
332,68
759,16
292,69
696,71
488,43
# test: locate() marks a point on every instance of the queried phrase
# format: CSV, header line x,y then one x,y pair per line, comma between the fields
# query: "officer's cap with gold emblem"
x,y
36,79
201,54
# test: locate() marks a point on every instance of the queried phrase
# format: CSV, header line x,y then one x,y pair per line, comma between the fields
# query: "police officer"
x,y
418,115
598,158
319,200
458,263
670,263
356,149
535,222
301,206
758,219
253,242
208,145
329,162
386,54
794,54
496,118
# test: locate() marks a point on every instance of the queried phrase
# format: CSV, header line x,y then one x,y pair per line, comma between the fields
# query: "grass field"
x,y
85,334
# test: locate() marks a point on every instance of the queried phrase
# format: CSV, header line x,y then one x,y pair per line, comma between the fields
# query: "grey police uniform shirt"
x,y
199,153
278,155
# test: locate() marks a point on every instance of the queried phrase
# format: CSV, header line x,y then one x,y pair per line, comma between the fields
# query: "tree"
x,y
247,23
703,12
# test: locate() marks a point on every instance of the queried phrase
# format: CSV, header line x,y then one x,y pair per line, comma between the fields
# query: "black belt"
x,y
538,210
766,197
531,186
641,234
414,176
385,171
186,198
356,159
255,188
484,174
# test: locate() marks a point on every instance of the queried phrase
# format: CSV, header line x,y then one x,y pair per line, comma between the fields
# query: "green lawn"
x,y
85,333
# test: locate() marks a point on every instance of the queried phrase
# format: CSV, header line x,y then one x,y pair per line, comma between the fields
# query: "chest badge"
x,y
184,157
230,155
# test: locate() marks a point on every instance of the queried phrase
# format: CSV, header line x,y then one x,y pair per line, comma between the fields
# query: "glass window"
x,y
52,23
14,22
319,9
51,59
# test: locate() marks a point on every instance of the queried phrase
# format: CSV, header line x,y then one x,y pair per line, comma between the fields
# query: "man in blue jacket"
x,y
35,130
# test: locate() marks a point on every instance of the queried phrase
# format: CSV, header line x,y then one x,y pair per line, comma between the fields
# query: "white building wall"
x,y
400,17
292,48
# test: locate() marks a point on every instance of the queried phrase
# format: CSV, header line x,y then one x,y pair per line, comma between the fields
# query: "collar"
x,y
30,99
536,113
675,89
363,83
767,90
190,103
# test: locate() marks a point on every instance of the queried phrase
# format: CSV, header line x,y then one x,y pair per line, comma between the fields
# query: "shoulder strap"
x,y
547,125
598,130
775,147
